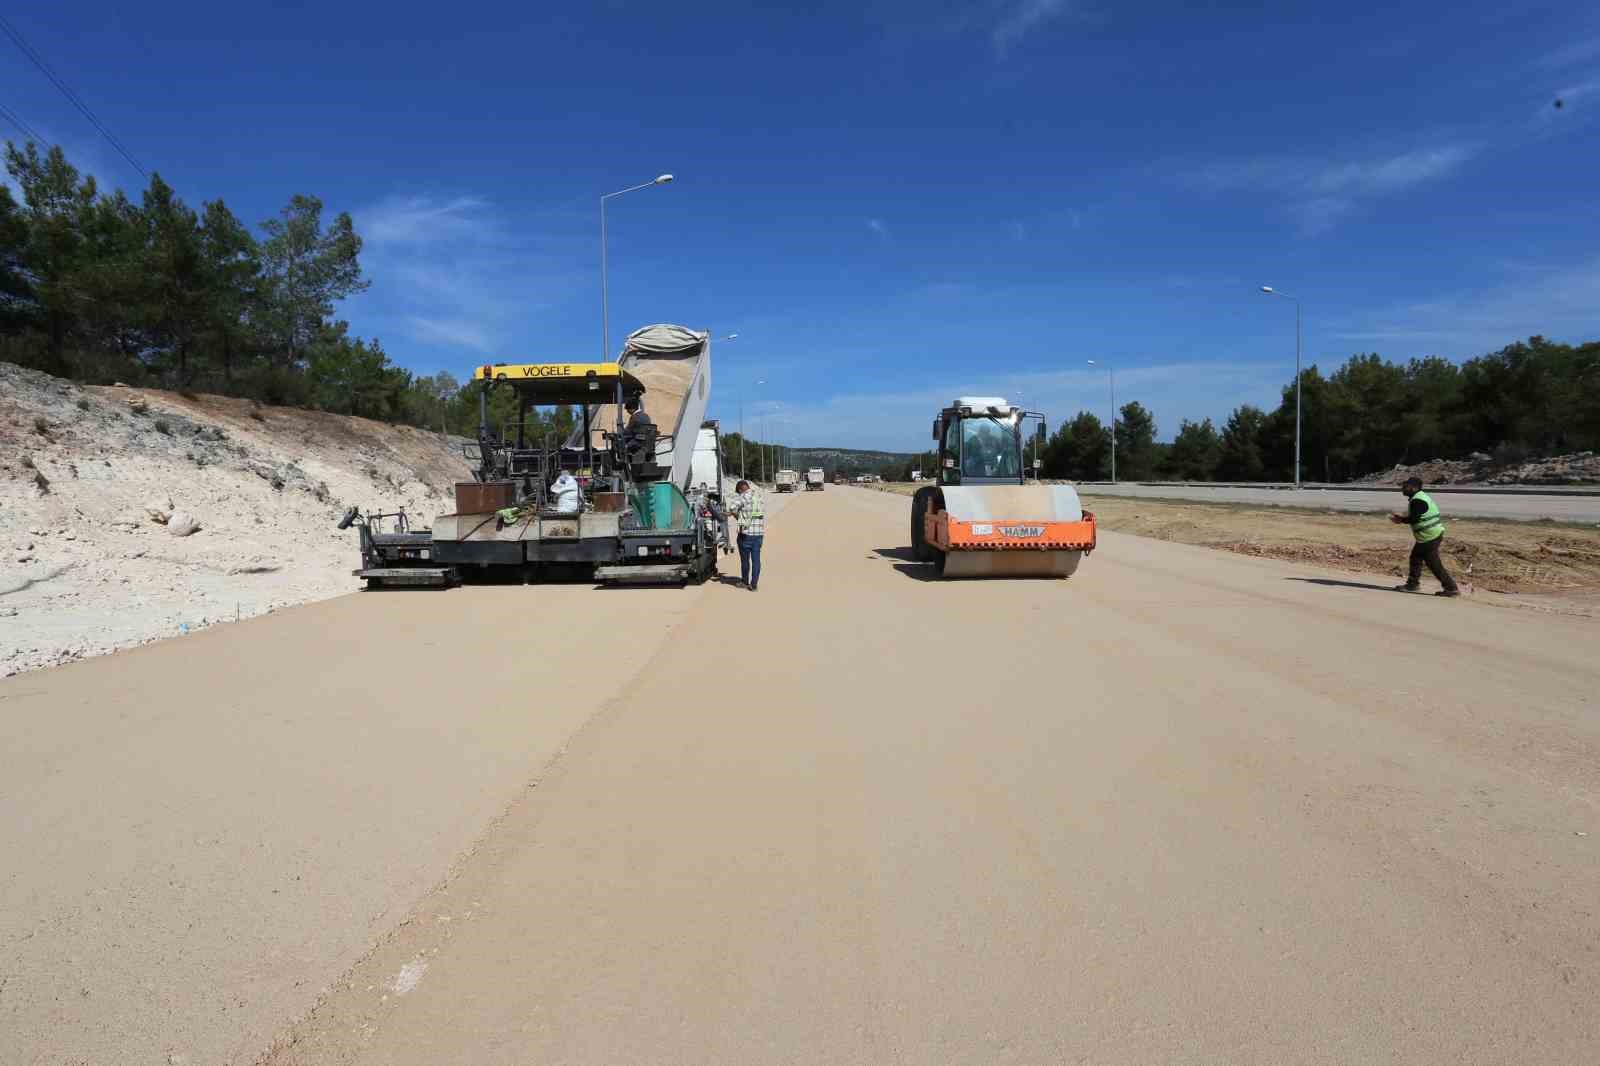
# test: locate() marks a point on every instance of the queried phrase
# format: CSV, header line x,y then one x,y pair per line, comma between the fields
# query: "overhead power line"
x,y
12,117
66,90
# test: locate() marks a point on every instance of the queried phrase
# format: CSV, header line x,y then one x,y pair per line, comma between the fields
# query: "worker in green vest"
x,y
1427,526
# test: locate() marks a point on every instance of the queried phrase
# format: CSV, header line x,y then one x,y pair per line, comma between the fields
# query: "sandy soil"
x,y
85,567
1187,806
1534,562
1155,813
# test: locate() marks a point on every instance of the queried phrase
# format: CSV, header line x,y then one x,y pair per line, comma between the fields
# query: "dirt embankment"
x,y
1579,468
1507,557
132,514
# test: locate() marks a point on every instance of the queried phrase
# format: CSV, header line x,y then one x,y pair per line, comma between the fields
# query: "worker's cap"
x,y
1412,483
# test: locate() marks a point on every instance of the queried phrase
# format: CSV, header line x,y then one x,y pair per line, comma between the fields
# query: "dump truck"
x,y
815,479
786,480
982,518
630,519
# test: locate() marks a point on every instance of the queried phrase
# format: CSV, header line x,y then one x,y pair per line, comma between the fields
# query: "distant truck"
x,y
815,479
786,480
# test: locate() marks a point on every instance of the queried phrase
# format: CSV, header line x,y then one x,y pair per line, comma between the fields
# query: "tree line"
x,y
1531,398
97,287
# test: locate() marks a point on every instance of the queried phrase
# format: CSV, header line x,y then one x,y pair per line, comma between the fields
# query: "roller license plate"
x,y
1019,532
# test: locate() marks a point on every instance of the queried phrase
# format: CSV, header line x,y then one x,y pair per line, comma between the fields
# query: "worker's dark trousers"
x,y
750,558
1428,552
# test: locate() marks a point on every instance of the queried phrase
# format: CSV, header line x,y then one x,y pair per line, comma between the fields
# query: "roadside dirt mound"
x,y
1479,469
1510,557
132,514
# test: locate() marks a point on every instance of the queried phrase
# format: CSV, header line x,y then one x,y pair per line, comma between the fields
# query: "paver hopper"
x,y
984,518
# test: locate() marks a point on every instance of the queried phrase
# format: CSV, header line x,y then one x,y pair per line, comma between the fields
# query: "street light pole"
x,y
1270,291
742,437
1111,374
734,337
605,308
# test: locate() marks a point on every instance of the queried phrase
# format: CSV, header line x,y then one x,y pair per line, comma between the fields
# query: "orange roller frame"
x,y
948,534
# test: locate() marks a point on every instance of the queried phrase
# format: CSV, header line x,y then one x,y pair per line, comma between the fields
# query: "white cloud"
x,y
423,220
1006,24
1320,193
878,226
457,333
900,421
1018,231
1562,303
1571,54
453,277
1022,18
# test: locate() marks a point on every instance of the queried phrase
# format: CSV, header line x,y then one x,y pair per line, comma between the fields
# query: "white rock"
x,y
180,524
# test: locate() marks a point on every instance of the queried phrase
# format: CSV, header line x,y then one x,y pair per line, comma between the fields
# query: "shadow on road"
x,y
1333,583
906,563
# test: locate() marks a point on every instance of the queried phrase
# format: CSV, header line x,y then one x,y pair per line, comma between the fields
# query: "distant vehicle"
x,y
786,480
815,479
705,466
840,479
916,475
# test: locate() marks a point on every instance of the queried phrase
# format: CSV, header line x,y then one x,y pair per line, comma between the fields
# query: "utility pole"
x,y
1270,291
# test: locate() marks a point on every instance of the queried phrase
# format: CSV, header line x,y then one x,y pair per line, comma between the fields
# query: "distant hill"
x,y
846,461
835,461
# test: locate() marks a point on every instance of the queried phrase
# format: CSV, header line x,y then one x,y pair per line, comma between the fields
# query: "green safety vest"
x,y
1431,525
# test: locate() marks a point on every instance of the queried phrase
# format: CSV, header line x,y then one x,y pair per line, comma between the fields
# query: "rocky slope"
x,y
1578,468
127,515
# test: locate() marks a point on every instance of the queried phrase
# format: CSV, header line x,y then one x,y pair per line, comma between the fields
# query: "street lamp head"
x,y
1267,289
663,179
1091,362
731,337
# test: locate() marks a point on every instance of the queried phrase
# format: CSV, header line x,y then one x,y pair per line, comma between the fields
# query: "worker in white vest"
x,y
565,494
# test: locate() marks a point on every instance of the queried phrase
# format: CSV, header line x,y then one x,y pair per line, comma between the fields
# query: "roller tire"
x,y
921,550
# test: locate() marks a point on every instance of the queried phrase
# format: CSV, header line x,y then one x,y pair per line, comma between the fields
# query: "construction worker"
x,y
565,494
1427,526
746,506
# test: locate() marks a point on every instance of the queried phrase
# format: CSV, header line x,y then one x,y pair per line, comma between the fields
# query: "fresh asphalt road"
x,y
1184,807
1522,506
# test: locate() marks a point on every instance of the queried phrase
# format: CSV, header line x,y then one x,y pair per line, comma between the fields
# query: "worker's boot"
x,y
1448,592
1408,588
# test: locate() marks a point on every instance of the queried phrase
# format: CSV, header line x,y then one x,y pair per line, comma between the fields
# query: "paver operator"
x,y
1427,526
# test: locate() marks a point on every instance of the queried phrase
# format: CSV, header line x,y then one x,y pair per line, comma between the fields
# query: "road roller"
x,y
985,516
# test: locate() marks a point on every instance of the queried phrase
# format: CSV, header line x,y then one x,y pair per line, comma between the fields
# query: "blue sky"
x,y
891,203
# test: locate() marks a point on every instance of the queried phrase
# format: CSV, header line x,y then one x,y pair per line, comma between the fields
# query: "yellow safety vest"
x,y
1431,525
